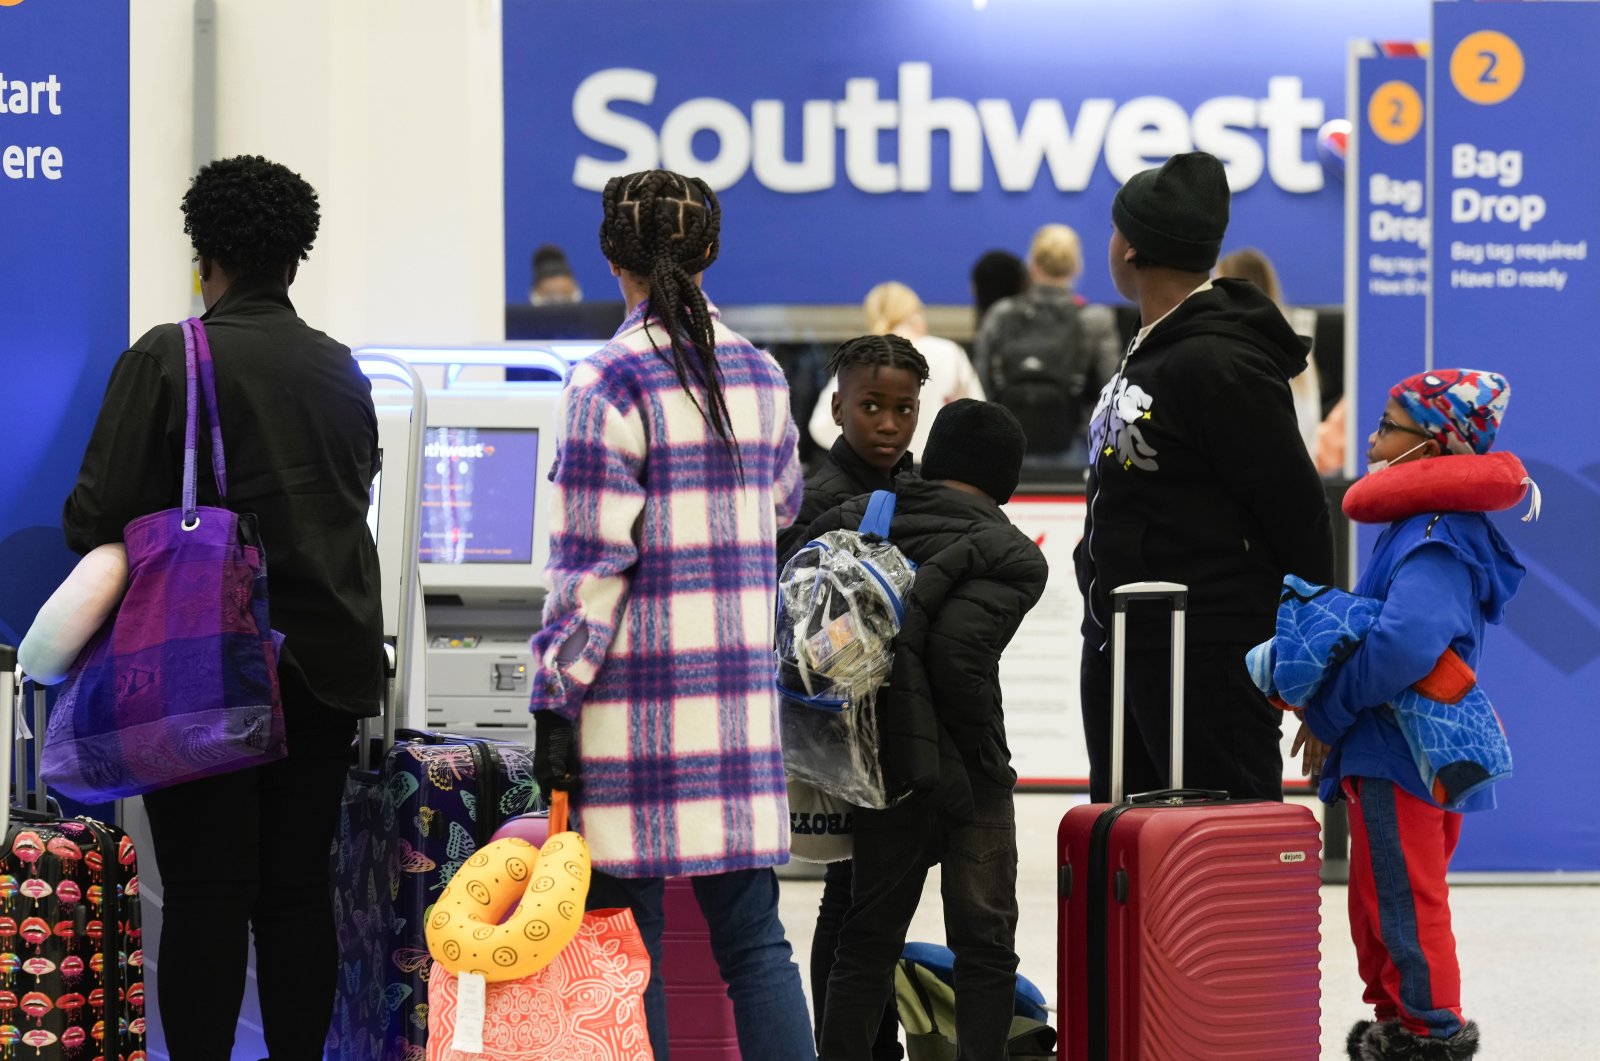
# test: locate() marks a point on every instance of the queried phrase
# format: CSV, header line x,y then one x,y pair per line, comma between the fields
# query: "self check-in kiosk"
x,y
483,530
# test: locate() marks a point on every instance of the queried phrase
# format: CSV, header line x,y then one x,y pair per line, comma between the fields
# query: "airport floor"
x,y
1530,953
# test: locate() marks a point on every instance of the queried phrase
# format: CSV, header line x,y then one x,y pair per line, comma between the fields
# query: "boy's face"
x,y
1398,439
877,408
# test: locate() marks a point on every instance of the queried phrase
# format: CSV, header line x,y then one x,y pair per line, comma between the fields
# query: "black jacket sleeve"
x,y
944,698
966,639
128,469
919,752
1247,419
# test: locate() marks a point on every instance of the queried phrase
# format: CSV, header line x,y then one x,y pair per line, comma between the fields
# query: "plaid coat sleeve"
x,y
791,485
599,496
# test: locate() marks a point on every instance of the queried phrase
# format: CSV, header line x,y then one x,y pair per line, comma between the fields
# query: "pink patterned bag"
x,y
586,1005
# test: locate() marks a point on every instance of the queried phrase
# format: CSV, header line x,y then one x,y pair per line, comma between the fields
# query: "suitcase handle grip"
x,y
1172,592
1177,597
1166,795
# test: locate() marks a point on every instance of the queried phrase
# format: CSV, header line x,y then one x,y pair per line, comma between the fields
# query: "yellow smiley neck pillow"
x,y
542,889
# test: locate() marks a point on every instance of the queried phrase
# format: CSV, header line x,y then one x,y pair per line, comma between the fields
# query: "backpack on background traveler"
x,y
924,990
1038,369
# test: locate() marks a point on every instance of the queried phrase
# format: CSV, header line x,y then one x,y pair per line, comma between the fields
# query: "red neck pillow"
x,y
1488,482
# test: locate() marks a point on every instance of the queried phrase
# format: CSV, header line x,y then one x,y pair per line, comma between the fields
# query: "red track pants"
x,y
1400,848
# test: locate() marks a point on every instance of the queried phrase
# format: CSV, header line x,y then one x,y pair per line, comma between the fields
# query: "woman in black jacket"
x,y
876,405
250,849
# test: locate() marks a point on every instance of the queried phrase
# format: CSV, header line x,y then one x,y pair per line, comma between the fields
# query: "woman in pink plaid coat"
x,y
653,696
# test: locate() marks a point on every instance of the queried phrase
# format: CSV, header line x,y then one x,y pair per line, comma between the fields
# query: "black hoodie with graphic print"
x,y
1199,475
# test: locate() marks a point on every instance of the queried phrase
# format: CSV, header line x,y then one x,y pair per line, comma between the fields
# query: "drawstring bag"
x,y
841,601
514,906
182,682
821,827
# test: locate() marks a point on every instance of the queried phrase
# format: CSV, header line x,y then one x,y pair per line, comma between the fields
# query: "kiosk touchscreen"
x,y
483,543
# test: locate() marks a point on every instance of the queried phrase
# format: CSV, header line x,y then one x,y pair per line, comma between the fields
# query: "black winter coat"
x,y
942,722
841,476
1199,474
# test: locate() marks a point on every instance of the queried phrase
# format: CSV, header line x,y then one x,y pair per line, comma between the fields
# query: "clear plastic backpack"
x,y
841,600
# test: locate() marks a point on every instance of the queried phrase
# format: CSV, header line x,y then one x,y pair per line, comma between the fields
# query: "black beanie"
x,y
977,443
1176,215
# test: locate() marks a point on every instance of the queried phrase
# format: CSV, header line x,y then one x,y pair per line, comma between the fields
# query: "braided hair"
x,y
664,226
879,351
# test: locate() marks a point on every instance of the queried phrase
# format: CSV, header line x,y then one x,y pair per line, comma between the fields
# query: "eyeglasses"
x,y
1386,425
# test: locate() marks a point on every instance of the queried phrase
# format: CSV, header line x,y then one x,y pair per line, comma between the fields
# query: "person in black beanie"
x,y
942,729
1198,476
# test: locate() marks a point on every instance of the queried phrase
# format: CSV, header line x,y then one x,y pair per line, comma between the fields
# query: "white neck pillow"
x,y
73,613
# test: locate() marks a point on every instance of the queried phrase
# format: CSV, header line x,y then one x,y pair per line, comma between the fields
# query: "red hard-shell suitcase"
x,y
699,1015
1189,922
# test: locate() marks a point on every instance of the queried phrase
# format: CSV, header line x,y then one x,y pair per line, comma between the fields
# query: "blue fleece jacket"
x,y
1441,577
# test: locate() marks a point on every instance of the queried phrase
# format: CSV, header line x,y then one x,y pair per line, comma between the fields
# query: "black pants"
x,y
251,848
836,885
893,851
1232,735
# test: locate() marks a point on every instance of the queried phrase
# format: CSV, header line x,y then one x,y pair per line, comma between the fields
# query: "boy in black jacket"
x,y
1197,475
943,733
877,405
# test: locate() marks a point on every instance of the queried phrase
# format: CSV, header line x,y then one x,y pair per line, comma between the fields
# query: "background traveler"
x,y
1044,353
1254,266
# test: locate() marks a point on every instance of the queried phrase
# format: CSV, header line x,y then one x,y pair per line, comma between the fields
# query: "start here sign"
x,y
64,303
29,97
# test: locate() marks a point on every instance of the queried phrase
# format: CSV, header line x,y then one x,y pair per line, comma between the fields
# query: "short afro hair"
x,y
252,216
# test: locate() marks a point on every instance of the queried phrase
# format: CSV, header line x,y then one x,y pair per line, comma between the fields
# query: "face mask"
x,y
1378,466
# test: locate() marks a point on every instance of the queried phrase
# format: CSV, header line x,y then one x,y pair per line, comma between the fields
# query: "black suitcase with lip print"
x,y
71,957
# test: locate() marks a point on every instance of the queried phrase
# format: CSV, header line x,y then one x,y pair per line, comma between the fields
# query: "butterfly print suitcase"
x,y
402,836
71,963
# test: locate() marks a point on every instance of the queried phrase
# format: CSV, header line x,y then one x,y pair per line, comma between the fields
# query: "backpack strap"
x,y
880,513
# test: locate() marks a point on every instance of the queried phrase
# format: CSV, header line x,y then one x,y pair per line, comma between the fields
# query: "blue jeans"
x,y
769,1005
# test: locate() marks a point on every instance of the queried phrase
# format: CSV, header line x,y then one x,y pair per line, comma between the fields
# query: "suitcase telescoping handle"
x,y
10,681
20,700
1177,596
398,689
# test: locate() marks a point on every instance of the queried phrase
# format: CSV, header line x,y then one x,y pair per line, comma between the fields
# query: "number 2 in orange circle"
x,y
1486,67
1394,112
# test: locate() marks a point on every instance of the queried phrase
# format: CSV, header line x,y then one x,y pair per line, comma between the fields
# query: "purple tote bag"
x,y
182,681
